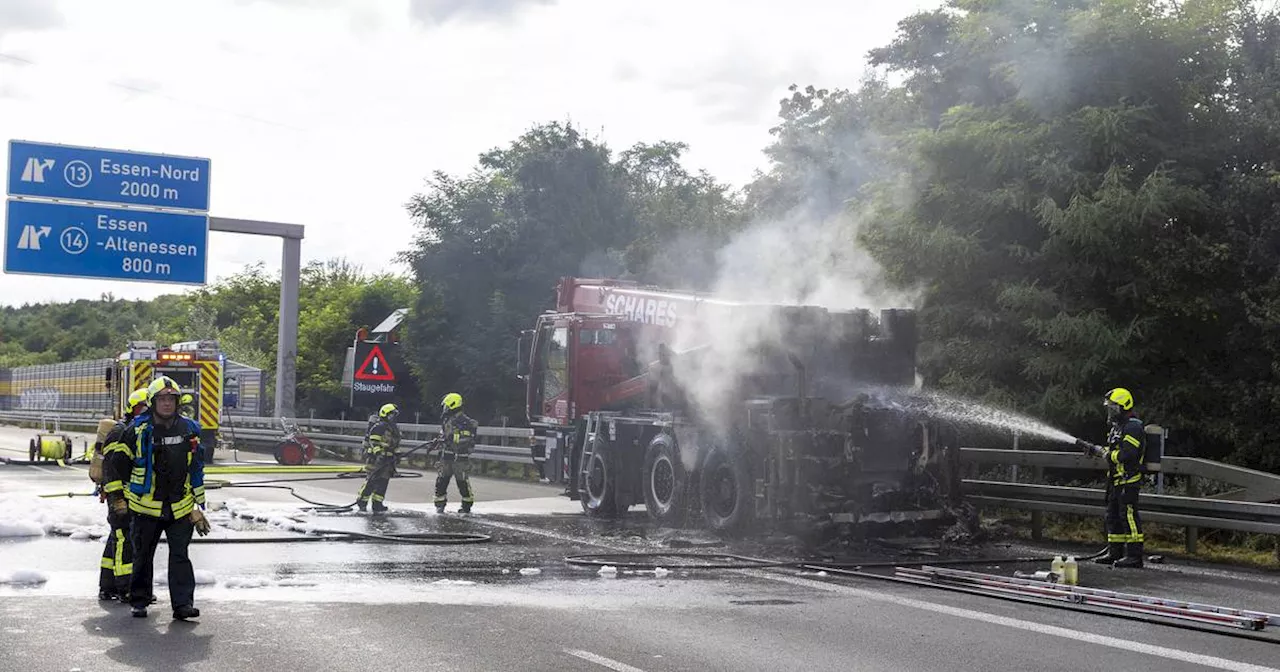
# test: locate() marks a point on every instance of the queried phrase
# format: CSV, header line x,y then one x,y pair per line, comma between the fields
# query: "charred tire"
x,y
665,482
598,481
725,491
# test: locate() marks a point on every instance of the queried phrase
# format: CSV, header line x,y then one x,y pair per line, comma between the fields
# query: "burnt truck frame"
x,y
802,443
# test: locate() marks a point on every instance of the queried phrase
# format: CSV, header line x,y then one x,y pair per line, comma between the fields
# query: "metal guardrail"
x,y
513,446
1244,509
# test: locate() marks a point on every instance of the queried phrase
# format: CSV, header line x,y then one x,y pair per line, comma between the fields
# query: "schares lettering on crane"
x,y
644,311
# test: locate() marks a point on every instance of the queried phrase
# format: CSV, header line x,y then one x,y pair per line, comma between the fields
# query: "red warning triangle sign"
x,y
375,367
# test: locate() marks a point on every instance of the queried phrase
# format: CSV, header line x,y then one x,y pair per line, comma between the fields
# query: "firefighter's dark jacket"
x,y
1126,449
384,437
152,465
459,434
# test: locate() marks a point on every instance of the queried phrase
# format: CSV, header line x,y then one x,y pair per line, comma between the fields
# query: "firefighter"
x,y
1125,453
117,557
382,439
458,438
155,472
187,406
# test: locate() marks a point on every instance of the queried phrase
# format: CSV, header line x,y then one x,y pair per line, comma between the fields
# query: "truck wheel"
x,y
725,491
34,450
664,482
597,484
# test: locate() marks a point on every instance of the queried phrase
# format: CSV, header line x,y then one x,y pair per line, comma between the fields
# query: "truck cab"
x,y
571,362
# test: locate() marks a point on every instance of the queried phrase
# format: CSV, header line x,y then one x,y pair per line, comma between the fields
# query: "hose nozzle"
x,y
1088,448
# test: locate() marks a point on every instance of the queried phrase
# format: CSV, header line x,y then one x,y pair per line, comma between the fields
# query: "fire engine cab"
x,y
197,367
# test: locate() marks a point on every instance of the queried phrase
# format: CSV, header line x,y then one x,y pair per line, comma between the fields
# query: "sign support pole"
x,y
290,278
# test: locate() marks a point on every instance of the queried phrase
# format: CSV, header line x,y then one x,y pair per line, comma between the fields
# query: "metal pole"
x,y
1013,472
290,275
287,348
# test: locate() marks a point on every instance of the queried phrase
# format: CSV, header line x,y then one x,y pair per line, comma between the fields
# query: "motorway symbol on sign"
x,y
375,367
108,176
89,241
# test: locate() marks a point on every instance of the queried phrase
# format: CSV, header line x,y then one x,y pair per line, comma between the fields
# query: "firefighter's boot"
x,y
186,611
1115,551
1132,557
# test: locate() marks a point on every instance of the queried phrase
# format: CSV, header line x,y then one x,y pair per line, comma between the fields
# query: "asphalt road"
x,y
514,604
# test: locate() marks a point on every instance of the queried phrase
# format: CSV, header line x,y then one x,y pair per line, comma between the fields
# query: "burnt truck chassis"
x,y
796,465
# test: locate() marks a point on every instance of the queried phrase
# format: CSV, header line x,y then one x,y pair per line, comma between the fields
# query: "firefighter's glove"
x,y
201,523
117,511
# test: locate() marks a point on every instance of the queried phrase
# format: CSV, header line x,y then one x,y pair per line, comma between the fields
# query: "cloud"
x,y
24,15
740,86
431,12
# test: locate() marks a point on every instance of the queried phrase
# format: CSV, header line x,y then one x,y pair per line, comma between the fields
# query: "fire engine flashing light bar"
x,y
175,357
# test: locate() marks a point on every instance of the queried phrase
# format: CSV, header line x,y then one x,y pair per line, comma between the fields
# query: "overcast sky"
x,y
330,113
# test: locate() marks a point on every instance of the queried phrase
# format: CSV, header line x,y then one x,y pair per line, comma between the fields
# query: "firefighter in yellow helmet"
x,y
187,406
381,442
458,438
116,566
155,472
1125,454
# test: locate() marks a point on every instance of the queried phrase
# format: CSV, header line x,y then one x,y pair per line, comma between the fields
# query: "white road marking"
x,y
981,616
602,661
1089,637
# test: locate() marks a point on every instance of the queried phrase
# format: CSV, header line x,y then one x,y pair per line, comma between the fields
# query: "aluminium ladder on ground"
x,y
1146,604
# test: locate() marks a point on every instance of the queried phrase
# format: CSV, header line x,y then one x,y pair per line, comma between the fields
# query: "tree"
x,y
1078,188
491,246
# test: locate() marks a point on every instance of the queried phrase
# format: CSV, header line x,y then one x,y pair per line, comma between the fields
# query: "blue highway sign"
x,y
88,241
107,176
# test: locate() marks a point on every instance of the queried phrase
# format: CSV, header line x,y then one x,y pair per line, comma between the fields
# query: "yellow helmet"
x,y
387,410
451,401
1120,397
186,398
138,396
161,385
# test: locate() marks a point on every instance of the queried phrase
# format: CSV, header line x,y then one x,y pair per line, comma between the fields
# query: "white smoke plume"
x,y
799,260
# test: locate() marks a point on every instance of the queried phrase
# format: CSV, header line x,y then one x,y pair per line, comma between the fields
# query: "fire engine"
x,y
741,414
197,367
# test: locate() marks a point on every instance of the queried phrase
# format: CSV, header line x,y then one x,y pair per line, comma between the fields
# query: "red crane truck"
x,y
740,414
